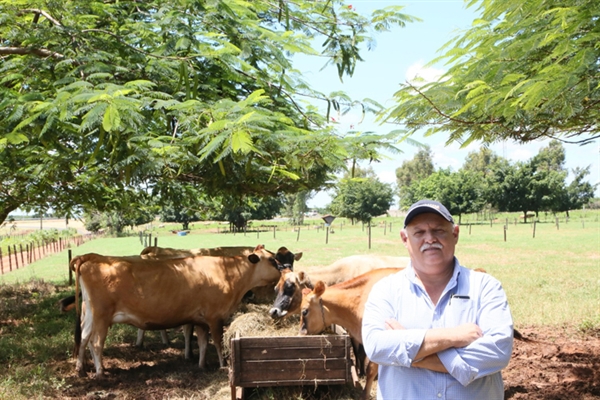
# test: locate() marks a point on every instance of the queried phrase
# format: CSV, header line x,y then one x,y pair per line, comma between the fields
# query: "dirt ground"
x,y
555,364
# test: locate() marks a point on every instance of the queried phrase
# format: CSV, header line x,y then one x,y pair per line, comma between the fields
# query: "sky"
x,y
398,56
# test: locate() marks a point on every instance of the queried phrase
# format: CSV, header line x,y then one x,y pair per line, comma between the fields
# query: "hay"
x,y
253,320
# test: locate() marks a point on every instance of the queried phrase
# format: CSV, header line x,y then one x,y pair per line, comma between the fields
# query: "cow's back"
x,y
353,266
223,251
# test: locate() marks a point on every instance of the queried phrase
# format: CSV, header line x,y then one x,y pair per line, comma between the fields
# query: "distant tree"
x,y
238,213
460,192
481,161
577,194
551,157
509,187
295,206
416,169
361,199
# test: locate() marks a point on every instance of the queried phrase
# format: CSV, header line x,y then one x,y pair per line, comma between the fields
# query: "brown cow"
x,y
161,294
342,304
285,257
290,285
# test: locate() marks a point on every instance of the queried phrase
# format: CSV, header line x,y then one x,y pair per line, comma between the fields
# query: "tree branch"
x,y
29,50
41,12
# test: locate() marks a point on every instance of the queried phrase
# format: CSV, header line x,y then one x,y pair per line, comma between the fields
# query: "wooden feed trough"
x,y
289,361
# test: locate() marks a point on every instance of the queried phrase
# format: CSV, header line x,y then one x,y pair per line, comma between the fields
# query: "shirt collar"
x,y
412,276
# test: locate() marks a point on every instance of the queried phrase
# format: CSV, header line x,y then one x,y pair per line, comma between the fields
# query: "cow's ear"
x,y
298,256
319,288
253,258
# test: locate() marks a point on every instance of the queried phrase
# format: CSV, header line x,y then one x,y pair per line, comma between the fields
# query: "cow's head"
x,y
312,316
287,258
289,293
268,267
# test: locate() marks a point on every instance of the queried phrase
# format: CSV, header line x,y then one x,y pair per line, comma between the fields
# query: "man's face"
x,y
430,241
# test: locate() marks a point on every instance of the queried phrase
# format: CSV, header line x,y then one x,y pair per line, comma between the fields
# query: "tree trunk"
x,y
525,216
6,209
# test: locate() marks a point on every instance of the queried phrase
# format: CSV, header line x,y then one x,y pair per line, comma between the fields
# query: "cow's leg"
x,y
187,336
216,330
371,372
164,336
86,330
202,334
97,345
140,338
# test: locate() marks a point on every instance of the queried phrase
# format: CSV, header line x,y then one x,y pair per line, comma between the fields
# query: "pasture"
x,y
552,282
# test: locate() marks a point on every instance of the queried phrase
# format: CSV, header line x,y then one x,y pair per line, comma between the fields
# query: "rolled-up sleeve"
x,y
490,353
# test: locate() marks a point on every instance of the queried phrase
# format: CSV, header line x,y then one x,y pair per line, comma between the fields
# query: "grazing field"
x,y
552,281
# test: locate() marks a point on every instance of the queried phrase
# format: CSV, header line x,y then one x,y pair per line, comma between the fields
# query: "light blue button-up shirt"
x,y
474,370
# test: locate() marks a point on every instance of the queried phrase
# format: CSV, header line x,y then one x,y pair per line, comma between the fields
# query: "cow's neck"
x,y
341,309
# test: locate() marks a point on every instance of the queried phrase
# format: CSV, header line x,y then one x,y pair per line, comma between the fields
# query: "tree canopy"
x,y
523,71
101,97
487,180
362,199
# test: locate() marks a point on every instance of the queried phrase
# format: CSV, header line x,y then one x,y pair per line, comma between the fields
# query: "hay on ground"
x,y
253,320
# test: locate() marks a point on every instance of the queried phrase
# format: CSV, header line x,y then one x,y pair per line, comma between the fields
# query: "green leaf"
x,y
241,141
15,138
112,119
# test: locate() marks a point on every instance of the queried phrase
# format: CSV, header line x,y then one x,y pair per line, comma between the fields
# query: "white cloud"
x,y
387,176
417,73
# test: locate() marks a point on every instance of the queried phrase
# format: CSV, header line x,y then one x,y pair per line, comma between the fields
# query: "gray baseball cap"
x,y
427,206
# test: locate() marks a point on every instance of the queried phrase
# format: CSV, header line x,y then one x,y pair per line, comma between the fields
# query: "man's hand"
x,y
465,334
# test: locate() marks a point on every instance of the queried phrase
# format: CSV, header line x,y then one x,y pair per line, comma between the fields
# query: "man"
x,y
437,329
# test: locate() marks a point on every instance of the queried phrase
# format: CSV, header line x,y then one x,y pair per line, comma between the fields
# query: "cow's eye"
x,y
304,312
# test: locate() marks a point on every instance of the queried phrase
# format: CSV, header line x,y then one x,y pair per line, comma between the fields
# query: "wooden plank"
x,y
294,341
296,375
322,364
274,353
281,382
297,371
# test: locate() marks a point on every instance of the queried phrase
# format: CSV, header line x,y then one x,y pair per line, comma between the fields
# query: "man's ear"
x,y
455,232
403,236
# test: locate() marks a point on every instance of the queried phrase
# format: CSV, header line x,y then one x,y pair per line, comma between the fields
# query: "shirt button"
x,y
439,395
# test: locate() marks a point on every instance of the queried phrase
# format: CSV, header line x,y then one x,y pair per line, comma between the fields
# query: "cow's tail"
x,y
76,264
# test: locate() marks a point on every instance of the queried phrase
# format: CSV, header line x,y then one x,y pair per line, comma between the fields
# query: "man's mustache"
x,y
428,246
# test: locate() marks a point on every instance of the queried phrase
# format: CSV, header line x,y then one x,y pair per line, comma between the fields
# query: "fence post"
x,y
369,235
9,260
534,222
155,242
557,223
15,254
470,228
384,227
22,259
1,261
505,233
274,228
298,235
